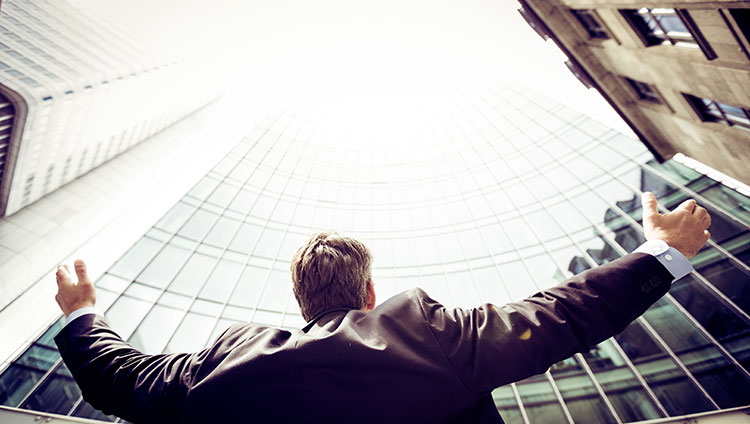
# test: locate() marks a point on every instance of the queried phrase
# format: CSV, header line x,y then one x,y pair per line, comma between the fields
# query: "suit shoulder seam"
x,y
445,355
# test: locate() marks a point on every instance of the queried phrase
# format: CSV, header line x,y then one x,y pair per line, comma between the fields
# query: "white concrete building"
x,y
74,93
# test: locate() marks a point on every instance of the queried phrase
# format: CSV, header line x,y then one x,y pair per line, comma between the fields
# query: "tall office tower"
x,y
487,195
74,93
678,75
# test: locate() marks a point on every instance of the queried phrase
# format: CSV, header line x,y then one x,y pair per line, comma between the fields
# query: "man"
x,y
407,360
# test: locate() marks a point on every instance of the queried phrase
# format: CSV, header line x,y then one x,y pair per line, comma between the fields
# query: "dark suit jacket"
x,y
409,360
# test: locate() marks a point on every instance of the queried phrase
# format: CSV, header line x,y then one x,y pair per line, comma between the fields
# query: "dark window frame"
x,y
591,23
713,111
645,91
741,17
637,18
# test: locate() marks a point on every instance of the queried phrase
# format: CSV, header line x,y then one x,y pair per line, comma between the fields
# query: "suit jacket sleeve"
x,y
118,379
491,346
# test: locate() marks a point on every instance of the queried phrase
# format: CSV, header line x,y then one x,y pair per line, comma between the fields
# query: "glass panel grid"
x,y
506,193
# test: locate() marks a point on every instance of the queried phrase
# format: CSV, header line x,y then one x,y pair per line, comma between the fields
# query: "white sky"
x,y
348,50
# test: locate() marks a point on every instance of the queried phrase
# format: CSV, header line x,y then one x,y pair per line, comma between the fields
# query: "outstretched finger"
x,y
63,276
80,268
650,205
688,205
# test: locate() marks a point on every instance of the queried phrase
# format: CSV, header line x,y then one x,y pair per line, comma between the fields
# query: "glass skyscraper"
x,y
488,194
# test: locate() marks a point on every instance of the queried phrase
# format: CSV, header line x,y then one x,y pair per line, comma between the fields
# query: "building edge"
x,y
587,79
20,113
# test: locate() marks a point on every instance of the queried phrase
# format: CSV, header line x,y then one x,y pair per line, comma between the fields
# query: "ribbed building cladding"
x,y
86,91
487,195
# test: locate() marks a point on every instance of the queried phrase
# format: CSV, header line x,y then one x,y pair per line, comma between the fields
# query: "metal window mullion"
x,y
614,243
483,195
41,381
685,189
728,355
75,405
656,21
652,332
721,111
517,395
522,259
433,232
641,319
592,263
463,198
686,314
597,385
244,219
703,199
559,397
440,254
299,198
174,234
729,303
247,259
192,251
492,256
638,376
544,245
723,251
290,295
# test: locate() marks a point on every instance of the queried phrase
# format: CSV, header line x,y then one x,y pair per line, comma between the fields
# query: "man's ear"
x,y
370,296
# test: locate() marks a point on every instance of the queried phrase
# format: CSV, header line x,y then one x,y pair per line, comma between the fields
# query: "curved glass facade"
x,y
490,195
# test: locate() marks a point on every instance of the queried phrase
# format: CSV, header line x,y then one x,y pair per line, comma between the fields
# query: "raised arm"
x,y
493,345
112,375
118,379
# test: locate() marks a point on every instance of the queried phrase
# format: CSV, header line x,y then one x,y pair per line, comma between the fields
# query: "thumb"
x,y
650,206
80,268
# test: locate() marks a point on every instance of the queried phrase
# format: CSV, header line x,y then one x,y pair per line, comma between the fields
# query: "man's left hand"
x,y
72,296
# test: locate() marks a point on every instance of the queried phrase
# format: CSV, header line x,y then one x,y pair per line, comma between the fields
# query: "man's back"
x,y
409,359
348,365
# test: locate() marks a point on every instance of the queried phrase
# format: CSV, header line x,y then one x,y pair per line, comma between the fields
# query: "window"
x,y
590,22
667,26
742,18
644,91
711,110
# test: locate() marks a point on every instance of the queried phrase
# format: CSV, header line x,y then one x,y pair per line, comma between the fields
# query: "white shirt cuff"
x,y
675,262
88,310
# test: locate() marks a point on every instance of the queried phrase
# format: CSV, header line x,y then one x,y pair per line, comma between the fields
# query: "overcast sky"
x,y
356,48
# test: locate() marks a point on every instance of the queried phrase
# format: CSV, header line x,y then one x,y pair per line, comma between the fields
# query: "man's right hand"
x,y
685,228
72,296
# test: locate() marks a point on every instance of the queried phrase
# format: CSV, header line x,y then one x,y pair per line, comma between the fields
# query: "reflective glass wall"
x,y
485,195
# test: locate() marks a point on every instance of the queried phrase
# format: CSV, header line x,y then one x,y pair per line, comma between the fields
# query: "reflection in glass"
x,y
191,334
132,262
722,322
487,216
152,334
726,275
85,410
507,405
580,396
164,266
721,379
222,280
539,400
57,394
628,397
670,385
